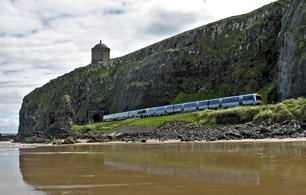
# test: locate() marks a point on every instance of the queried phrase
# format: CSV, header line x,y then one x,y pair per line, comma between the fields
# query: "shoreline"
x,y
84,142
17,145
175,141
177,131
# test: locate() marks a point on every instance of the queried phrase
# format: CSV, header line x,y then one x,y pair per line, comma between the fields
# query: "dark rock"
x,y
212,139
233,135
70,140
7,137
32,139
263,129
303,124
57,142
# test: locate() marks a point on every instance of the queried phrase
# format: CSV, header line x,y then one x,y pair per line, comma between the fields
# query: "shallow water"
x,y
187,168
11,181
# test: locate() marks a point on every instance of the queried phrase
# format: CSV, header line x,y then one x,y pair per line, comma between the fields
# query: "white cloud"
x,y
41,40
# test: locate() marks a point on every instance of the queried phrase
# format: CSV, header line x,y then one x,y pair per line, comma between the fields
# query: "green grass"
x,y
151,122
102,127
291,111
159,120
265,91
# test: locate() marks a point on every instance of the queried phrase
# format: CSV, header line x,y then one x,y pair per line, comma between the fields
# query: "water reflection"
x,y
241,177
10,176
149,169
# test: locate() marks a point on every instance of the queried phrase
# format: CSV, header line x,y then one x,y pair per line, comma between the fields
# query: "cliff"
x,y
233,56
291,76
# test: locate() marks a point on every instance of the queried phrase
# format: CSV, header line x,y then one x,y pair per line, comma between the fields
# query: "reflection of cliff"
x,y
125,167
59,168
217,175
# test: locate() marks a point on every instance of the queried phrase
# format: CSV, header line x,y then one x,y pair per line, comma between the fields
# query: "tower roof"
x,y
100,45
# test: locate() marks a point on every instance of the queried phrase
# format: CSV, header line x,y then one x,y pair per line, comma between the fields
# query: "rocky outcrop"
x,y
181,130
233,56
291,82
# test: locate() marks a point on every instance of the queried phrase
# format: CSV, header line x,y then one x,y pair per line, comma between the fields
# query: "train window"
x,y
178,106
203,103
169,107
160,109
189,105
231,99
123,114
132,113
248,98
211,102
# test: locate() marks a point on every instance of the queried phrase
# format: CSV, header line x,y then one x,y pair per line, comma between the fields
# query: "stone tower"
x,y
100,54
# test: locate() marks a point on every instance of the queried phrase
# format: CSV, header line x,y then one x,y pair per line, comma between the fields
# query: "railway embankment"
x,y
283,120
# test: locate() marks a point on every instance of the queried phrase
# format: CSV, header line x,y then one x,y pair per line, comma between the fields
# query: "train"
x,y
225,102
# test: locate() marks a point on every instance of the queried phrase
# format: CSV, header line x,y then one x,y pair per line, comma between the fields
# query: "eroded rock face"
x,y
291,78
233,56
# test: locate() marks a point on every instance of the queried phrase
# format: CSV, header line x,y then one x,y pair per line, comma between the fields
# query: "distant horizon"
x,y
4,134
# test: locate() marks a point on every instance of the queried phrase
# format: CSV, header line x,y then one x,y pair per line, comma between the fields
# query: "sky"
x,y
43,39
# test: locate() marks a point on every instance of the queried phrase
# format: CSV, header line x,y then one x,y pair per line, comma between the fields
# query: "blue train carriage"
x,y
251,99
190,106
121,115
203,104
169,109
143,113
177,108
214,103
161,110
132,113
150,111
108,118
232,101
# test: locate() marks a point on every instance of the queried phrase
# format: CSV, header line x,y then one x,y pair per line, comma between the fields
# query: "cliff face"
x,y
233,56
291,78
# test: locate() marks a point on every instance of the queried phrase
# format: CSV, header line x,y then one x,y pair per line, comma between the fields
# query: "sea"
x,y
154,168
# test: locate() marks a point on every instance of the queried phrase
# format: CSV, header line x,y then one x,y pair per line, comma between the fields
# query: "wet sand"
x,y
169,168
274,166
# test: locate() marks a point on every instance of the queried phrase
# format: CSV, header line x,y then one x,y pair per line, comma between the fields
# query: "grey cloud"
x,y
4,62
46,21
10,72
114,11
12,84
163,22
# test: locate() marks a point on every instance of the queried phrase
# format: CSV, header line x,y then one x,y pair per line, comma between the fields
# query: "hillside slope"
x,y
232,56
